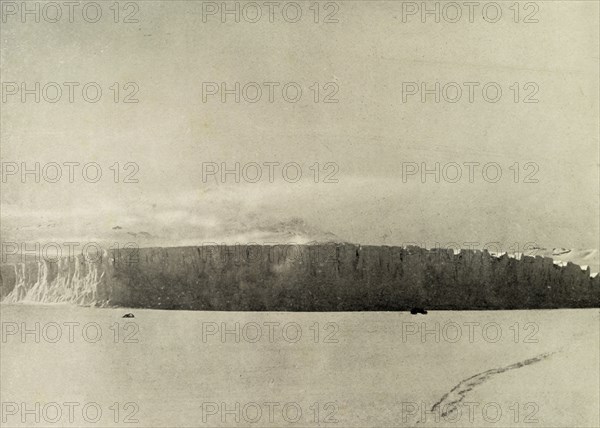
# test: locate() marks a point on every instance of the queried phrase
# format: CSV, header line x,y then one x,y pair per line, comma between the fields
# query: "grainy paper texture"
x,y
299,213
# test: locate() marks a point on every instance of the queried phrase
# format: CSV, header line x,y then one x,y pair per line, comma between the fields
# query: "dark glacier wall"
x,y
327,277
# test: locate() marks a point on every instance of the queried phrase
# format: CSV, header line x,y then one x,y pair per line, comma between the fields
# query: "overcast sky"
x,y
368,134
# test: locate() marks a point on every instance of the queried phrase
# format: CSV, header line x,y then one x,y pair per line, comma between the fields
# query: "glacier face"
x,y
322,277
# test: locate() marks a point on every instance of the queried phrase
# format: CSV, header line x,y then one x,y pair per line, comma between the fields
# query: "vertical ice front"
x,y
336,277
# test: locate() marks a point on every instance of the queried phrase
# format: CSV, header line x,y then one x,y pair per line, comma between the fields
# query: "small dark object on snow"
x,y
416,311
129,315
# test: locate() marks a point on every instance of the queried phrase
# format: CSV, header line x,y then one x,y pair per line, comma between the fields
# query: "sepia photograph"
x,y
298,214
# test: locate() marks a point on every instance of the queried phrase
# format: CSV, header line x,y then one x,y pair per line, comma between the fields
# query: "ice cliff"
x,y
324,277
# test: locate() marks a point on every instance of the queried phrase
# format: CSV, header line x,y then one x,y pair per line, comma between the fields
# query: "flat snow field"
x,y
73,366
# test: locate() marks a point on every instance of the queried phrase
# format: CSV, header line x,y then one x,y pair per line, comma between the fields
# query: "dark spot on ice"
x,y
416,311
129,315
